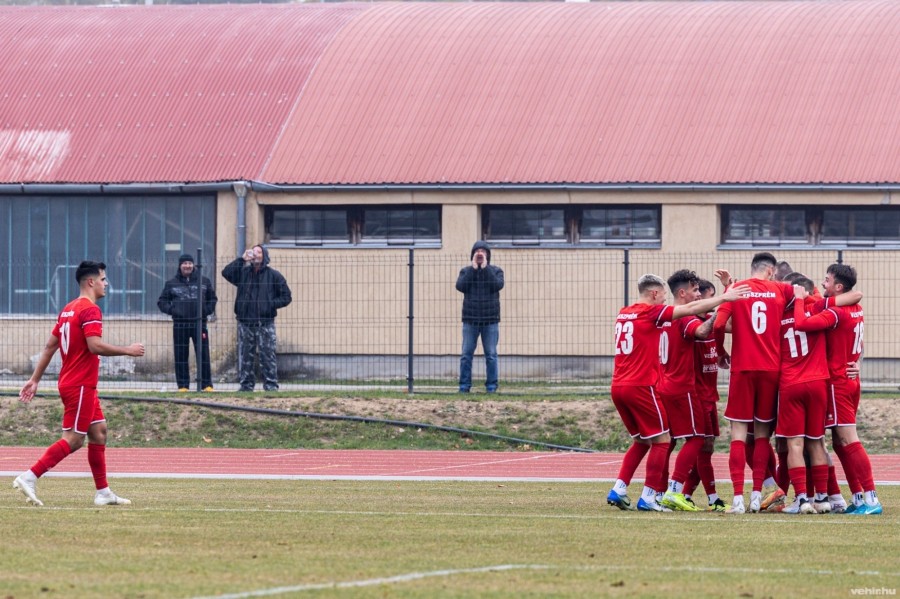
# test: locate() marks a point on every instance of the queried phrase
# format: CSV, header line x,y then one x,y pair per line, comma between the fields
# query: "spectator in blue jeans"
x,y
480,283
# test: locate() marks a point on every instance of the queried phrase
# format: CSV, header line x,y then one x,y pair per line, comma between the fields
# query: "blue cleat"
x,y
868,509
852,508
623,502
650,506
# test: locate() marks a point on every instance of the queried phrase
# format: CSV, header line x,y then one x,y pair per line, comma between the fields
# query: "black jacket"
x,y
179,297
481,290
259,293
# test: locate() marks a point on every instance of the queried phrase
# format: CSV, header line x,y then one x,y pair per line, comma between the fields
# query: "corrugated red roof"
x,y
421,93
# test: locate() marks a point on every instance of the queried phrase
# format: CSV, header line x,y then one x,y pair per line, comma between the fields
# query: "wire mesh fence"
x,y
393,317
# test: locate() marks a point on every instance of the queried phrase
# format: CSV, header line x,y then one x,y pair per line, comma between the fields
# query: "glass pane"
x,y
646,224
553,225
887,226
793,225
286,225
428,223
334,225
835,225
375,224
593,224
739,225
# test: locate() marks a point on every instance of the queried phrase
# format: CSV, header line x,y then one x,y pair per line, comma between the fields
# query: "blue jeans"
x,y
490,335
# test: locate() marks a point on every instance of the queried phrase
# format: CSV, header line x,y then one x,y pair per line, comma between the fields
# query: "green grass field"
x,y
187,538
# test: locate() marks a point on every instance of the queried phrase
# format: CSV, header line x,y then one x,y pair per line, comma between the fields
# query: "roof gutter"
x,y
822,187
243,185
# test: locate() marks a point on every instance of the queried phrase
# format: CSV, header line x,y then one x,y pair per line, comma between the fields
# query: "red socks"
x,y
798,479
737,457
782,478
632,460
860,466
656,463
833,487
820,478
97,462
686,459
707,474
762,451
52,456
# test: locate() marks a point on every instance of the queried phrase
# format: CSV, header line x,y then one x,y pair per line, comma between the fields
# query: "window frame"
x,y
573,218
356,227
814,218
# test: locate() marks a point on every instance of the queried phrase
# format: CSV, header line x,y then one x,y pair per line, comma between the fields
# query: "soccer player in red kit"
x,y
843,326
706,366
801,404
677,386
635,374
77,336
755,366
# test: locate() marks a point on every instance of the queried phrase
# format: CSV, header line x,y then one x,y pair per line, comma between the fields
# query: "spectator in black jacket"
x,y
179,299
261,291
480,285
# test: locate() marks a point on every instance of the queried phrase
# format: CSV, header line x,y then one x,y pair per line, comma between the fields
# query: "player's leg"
x,y
181,338
490,337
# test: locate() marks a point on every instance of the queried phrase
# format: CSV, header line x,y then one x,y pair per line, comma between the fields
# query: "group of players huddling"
x,y
794,372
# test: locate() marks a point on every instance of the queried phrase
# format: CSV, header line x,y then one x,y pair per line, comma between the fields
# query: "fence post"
x,y
409,349
627,264
840,256
198,331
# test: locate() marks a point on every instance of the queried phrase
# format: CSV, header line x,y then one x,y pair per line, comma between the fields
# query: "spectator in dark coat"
x,y
261,292
480,283
179,299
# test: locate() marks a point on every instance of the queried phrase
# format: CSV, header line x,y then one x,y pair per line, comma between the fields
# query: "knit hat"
x,y
185,258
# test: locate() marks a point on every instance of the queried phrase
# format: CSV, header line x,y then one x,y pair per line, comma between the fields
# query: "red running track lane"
x,y
360,464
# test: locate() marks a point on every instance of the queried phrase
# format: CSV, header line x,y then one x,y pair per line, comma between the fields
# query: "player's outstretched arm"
x,y
848,298
99,348
28,390
705,305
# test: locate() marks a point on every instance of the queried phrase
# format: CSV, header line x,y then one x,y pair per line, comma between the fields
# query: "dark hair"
x,y
792,277
682,278
782,270
88,268
806,282
705,286
762,259
843,274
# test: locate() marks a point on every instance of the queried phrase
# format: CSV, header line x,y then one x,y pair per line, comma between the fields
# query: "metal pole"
x,y
409,349
840,256
627,264
198,345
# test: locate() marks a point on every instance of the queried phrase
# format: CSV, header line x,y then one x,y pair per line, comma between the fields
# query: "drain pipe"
x,y
240,190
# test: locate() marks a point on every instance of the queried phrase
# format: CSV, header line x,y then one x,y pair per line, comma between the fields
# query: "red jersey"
x,y
80,319
803,356
755,325
706,367
843,326
637,343
676,356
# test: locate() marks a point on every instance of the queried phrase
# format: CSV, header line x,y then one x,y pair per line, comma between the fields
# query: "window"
x,y
582,225
814,225
44,238
374,226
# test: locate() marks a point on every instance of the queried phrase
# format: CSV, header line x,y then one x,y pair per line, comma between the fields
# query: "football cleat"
x,y
800,506
650,506
737,506
776,497
107,497
838,505
678,502
822,507
716,506
869,509
27,489
623,502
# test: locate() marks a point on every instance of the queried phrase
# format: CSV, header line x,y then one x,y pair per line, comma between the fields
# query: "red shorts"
x,y
843,401
81,407
710,411
686,416
752,395
640,410
801,410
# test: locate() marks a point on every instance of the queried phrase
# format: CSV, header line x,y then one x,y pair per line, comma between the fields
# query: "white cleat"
x,y
755,505
27,489
737,506
109,498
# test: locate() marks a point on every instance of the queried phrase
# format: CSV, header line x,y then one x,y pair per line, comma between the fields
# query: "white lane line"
x,y
487,463
374,581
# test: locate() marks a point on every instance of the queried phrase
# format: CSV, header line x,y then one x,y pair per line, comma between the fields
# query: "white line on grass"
x,y
374,581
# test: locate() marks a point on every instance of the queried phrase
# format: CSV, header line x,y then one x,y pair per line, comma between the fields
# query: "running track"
x,y
364,465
